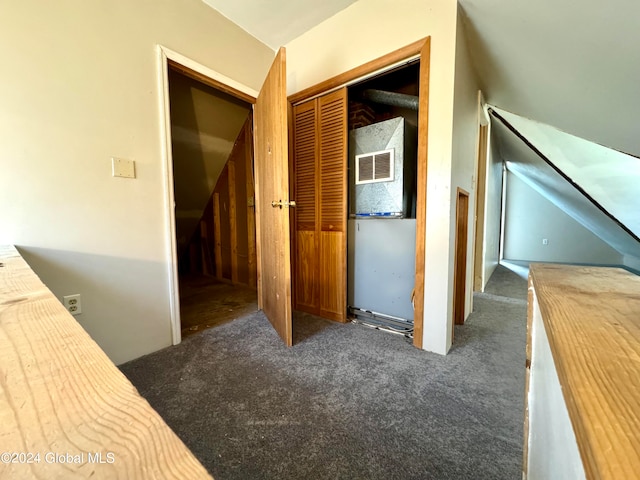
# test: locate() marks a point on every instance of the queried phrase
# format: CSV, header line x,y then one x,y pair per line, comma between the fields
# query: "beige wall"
x,y
465,158
79,85
367,30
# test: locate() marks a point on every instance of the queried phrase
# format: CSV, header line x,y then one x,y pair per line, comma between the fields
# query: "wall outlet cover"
x,y
73,303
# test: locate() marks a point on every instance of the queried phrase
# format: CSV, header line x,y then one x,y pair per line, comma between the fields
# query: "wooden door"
x,y
320,174
460,262
272,185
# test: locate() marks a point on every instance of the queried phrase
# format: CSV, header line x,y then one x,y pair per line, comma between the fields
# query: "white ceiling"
x,y
573,65
277,22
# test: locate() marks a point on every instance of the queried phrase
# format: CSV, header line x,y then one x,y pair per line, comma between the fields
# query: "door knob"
x,y
284,203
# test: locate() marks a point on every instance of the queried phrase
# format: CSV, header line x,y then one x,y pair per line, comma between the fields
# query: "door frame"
x,y
460,296
214,79
482,157
390,61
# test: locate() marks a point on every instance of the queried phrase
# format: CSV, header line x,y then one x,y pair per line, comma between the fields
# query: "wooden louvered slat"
x,y
320,166
332,253
305,165
333,161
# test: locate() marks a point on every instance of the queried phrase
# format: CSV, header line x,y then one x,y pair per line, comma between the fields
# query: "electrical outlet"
x,y
545,241
73,304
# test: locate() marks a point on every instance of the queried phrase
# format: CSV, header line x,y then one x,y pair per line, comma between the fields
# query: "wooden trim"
x,y
62,394
421,193
251,218
204,248
422,50
233,227
188,72
217,234
293,223
481,186
357,73
460,252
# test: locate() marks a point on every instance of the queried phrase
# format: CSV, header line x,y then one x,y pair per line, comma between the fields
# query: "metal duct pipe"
x,y
391,98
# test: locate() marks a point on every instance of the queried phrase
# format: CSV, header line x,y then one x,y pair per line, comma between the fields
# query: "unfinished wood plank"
x,y
251,219
233,228
60,395
218,234
204,248
591,317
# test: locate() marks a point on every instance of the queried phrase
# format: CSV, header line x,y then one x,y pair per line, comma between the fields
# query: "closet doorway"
x,y
212,172
320,151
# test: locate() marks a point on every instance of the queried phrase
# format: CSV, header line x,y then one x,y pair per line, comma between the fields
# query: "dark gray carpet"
x,y
346,401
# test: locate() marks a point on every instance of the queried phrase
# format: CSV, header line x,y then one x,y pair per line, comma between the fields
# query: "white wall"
x,y
80,84
552,445
610,177
530,217
465,157
355,36
493,209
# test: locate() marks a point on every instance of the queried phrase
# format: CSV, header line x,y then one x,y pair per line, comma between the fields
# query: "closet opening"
x,y
382,196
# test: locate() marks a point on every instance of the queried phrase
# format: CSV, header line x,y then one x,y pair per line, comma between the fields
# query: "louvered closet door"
x,y
332,118
305,155
320,166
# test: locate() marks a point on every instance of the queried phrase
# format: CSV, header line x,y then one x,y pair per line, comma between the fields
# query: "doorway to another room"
x,y
213,186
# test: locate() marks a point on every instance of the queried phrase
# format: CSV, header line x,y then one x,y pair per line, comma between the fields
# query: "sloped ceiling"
x,y
542,177
276,22
573,65
610,177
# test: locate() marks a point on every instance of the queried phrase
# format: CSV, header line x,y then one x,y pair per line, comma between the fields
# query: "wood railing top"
x,y
592,319
66,411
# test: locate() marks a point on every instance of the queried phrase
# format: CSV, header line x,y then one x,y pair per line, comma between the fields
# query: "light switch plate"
x,y
121,167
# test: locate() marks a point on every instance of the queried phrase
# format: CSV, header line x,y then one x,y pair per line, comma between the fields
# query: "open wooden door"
x,y
272,199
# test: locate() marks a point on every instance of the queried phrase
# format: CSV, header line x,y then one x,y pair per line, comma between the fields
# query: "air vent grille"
x,y
374,167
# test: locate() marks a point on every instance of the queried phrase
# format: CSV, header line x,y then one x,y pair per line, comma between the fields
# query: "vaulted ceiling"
x,y
276,22
571,65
